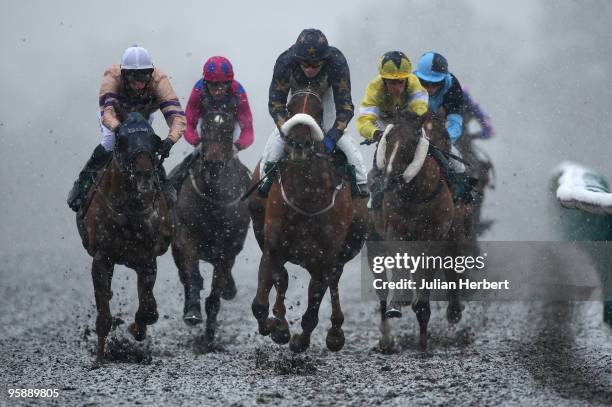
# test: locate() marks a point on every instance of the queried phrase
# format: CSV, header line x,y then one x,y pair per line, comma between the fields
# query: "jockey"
x,y
216,89
395,87
472,111
445,92
134,86
312,63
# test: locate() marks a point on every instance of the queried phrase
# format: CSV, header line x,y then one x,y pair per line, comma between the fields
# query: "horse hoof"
x,y
393,313
453,314
263,328
281,336
335,339
100,360
192,318
209,333
422,345
386,345
148,317
137,332
298,343
229,291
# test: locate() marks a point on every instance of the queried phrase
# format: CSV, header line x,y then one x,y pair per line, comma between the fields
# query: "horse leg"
x,y
147,306
227,286
261,304
212,304
455,307
186,259
460,245
423,311
102,275
278,323
335,335
310,319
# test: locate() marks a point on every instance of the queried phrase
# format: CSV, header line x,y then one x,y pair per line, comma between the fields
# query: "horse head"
x,y
402,148
135,155
302,133
216,148
435,127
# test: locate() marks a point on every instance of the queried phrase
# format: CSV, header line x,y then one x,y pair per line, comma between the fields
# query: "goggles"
x,y
394,81
219,85
429,84
311,64
138,75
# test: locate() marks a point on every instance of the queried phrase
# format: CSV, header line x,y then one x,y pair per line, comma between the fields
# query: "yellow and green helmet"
x,y
394,65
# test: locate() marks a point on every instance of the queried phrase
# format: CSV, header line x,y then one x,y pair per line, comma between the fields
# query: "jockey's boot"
x,y
166,186
264,187
360,190
192,311
87,176
377,190
179,173
461,186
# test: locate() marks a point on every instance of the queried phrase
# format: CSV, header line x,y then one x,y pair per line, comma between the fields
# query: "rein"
x,y
293,206
122,217
202,195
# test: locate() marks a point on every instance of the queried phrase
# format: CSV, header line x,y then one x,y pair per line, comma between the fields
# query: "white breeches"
x,y
273,151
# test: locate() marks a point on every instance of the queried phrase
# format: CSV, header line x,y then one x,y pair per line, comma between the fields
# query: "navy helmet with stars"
x,y
311,46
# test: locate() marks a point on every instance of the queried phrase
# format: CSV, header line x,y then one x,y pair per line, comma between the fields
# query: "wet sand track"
x,y
520,353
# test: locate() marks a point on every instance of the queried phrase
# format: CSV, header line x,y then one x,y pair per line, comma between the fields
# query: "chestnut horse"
x,y
309,219
418,206
127,222
211,220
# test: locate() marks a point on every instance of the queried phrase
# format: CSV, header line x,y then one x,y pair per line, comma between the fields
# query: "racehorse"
x,y
481,169
211,220
418,206
127,222
309,219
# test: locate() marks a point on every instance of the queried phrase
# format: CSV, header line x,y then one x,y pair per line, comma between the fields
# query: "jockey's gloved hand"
x,y
235,149
377,135
164,148
331,138
487,131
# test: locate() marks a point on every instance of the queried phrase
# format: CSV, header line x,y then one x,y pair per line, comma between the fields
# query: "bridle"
x,y
218,115
309,149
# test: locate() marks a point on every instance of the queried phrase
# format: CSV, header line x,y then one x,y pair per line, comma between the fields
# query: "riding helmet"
x,y
311,46
218,69
432,67
394,65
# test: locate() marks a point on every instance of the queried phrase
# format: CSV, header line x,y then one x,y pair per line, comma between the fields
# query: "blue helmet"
x,y
311,45
432,67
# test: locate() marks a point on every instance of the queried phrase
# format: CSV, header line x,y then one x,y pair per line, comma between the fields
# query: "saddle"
x,y
461,185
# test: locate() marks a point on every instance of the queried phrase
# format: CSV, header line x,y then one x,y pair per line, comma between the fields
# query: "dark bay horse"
x,y
418,206
127,222
309,219
211,220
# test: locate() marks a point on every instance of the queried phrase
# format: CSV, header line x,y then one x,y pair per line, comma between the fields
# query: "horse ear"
x,y
420,120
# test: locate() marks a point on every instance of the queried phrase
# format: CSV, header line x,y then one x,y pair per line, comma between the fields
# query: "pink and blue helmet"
x,y
218,69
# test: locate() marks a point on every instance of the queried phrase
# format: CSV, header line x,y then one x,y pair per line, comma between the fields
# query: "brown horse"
x,y
127,222
309,219
417,206
211,220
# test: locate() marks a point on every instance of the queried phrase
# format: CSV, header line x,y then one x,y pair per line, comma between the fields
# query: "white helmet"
x,y
136,57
